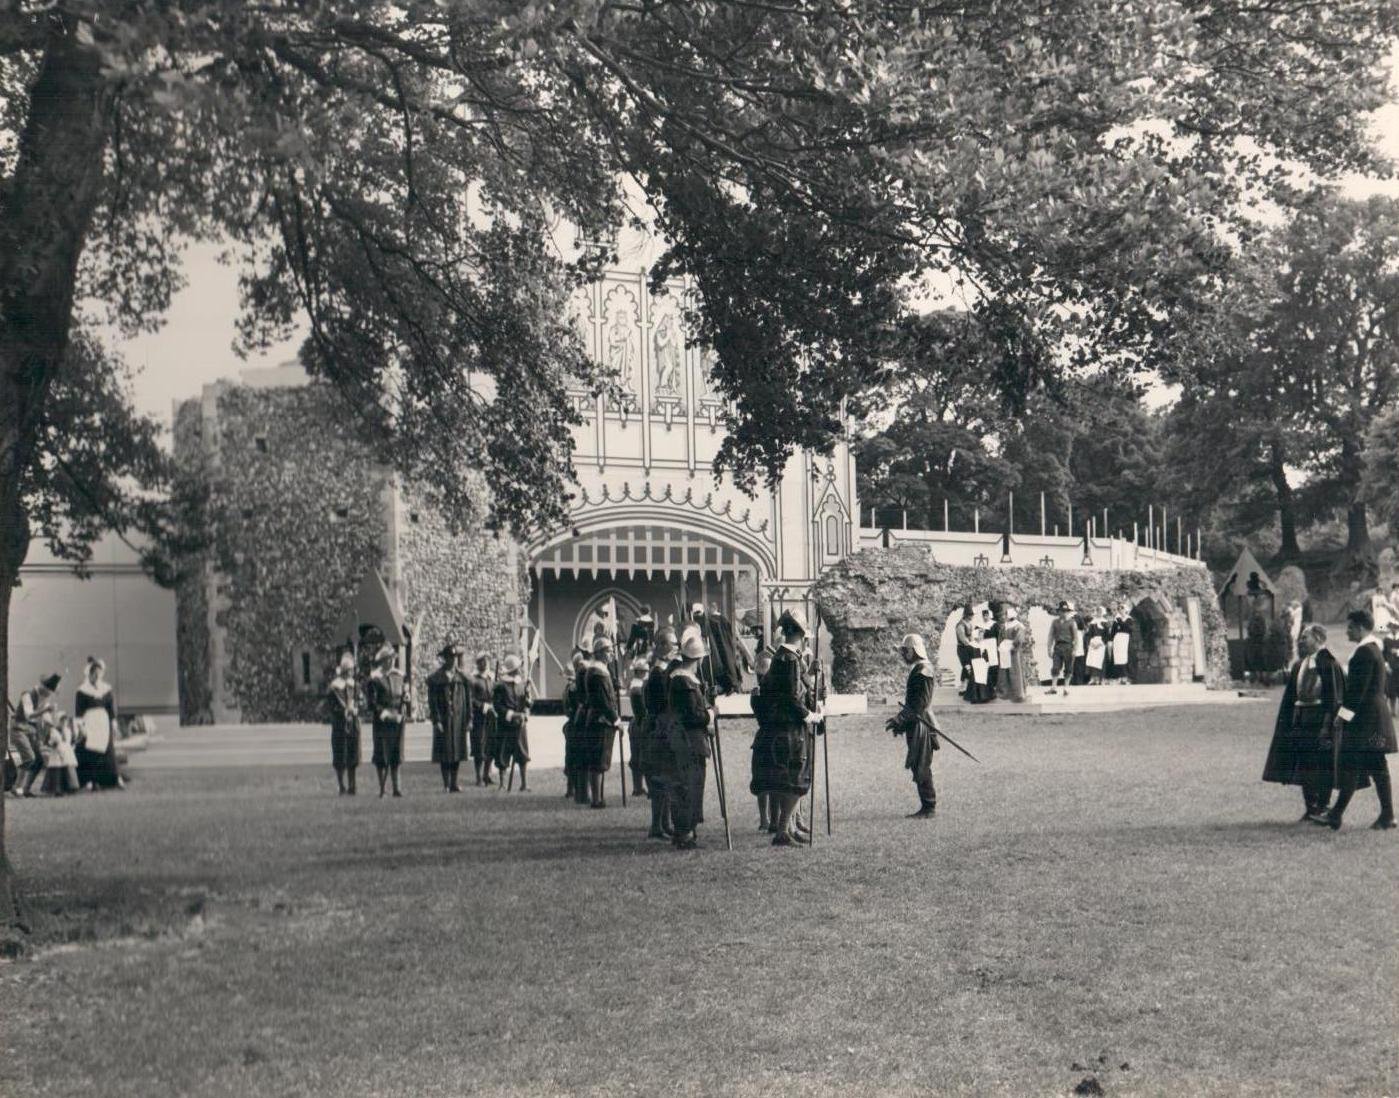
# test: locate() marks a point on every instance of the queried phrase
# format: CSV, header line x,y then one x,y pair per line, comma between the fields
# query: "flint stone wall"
x,y
870,600
297,512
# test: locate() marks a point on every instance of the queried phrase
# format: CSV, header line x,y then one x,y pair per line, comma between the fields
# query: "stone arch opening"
x,y
1153,617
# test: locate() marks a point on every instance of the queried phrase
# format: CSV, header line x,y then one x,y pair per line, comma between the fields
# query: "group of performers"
x,y
1334,728
672,735
997,657
484,714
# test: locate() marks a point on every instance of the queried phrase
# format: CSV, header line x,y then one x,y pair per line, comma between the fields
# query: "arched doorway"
x,y
1153,619
598,609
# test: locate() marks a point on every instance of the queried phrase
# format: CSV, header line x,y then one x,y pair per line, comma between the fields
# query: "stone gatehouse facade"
x,y
296,514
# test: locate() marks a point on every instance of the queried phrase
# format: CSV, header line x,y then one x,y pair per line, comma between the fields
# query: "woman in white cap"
x,y
388,706
95,708
917,724
688,704
512,705
342,699
601,716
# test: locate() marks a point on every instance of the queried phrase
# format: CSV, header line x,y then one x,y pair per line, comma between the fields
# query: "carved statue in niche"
x,y
620,358
706,378
666,344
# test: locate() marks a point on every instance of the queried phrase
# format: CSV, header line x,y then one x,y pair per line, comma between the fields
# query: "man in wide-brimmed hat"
x,y
917,724
1064,640
449,707
388,706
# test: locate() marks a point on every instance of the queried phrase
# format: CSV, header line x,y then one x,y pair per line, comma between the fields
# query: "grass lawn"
x,y
1114,896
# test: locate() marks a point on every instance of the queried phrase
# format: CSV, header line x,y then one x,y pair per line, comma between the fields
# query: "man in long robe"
x,y
449,708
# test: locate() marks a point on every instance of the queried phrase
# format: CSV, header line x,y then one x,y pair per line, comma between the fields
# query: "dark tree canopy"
x,y
1074,165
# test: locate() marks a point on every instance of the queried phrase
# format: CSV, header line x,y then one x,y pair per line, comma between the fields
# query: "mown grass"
x,y
1113,896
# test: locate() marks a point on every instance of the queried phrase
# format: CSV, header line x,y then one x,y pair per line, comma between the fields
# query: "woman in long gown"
x,y
95,710
1013,645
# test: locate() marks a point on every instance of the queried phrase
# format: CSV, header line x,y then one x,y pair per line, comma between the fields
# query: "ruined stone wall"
x,y
297,512
869,601
468,587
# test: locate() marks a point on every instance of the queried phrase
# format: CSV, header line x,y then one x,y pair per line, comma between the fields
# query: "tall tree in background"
x,y
391,174
1333,340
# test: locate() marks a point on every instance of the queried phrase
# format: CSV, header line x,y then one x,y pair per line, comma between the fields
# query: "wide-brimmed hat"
x,y
483,657
792,621
387,652
692,647
510,664
1065,604
346,661
449,649
639,666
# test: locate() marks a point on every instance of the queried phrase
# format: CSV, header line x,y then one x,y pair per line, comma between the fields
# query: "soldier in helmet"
x,y
601,717
449,705
342,699
512,702
691,727
657,759
482,718
388,705
917,724
782,763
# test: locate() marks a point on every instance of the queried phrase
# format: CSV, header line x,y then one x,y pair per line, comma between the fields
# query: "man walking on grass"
x,y
1065,639
1365,728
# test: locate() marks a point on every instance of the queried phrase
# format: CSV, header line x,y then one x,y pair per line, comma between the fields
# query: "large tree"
x,y
390,172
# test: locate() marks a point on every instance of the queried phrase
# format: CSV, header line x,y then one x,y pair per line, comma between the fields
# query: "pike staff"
x,y
718,743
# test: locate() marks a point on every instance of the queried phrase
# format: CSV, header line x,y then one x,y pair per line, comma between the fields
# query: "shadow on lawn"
x,y
493,848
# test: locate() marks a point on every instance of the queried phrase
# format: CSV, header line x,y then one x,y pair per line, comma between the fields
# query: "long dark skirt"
x,y
781,761
1297,755
344,744
388,743
98,767
449,744
511,743
572,748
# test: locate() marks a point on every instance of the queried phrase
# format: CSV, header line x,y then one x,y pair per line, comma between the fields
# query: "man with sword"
x,y
917,724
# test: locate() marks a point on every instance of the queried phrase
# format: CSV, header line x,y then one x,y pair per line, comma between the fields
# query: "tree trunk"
x,y
1287,503
1357,529
45,214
